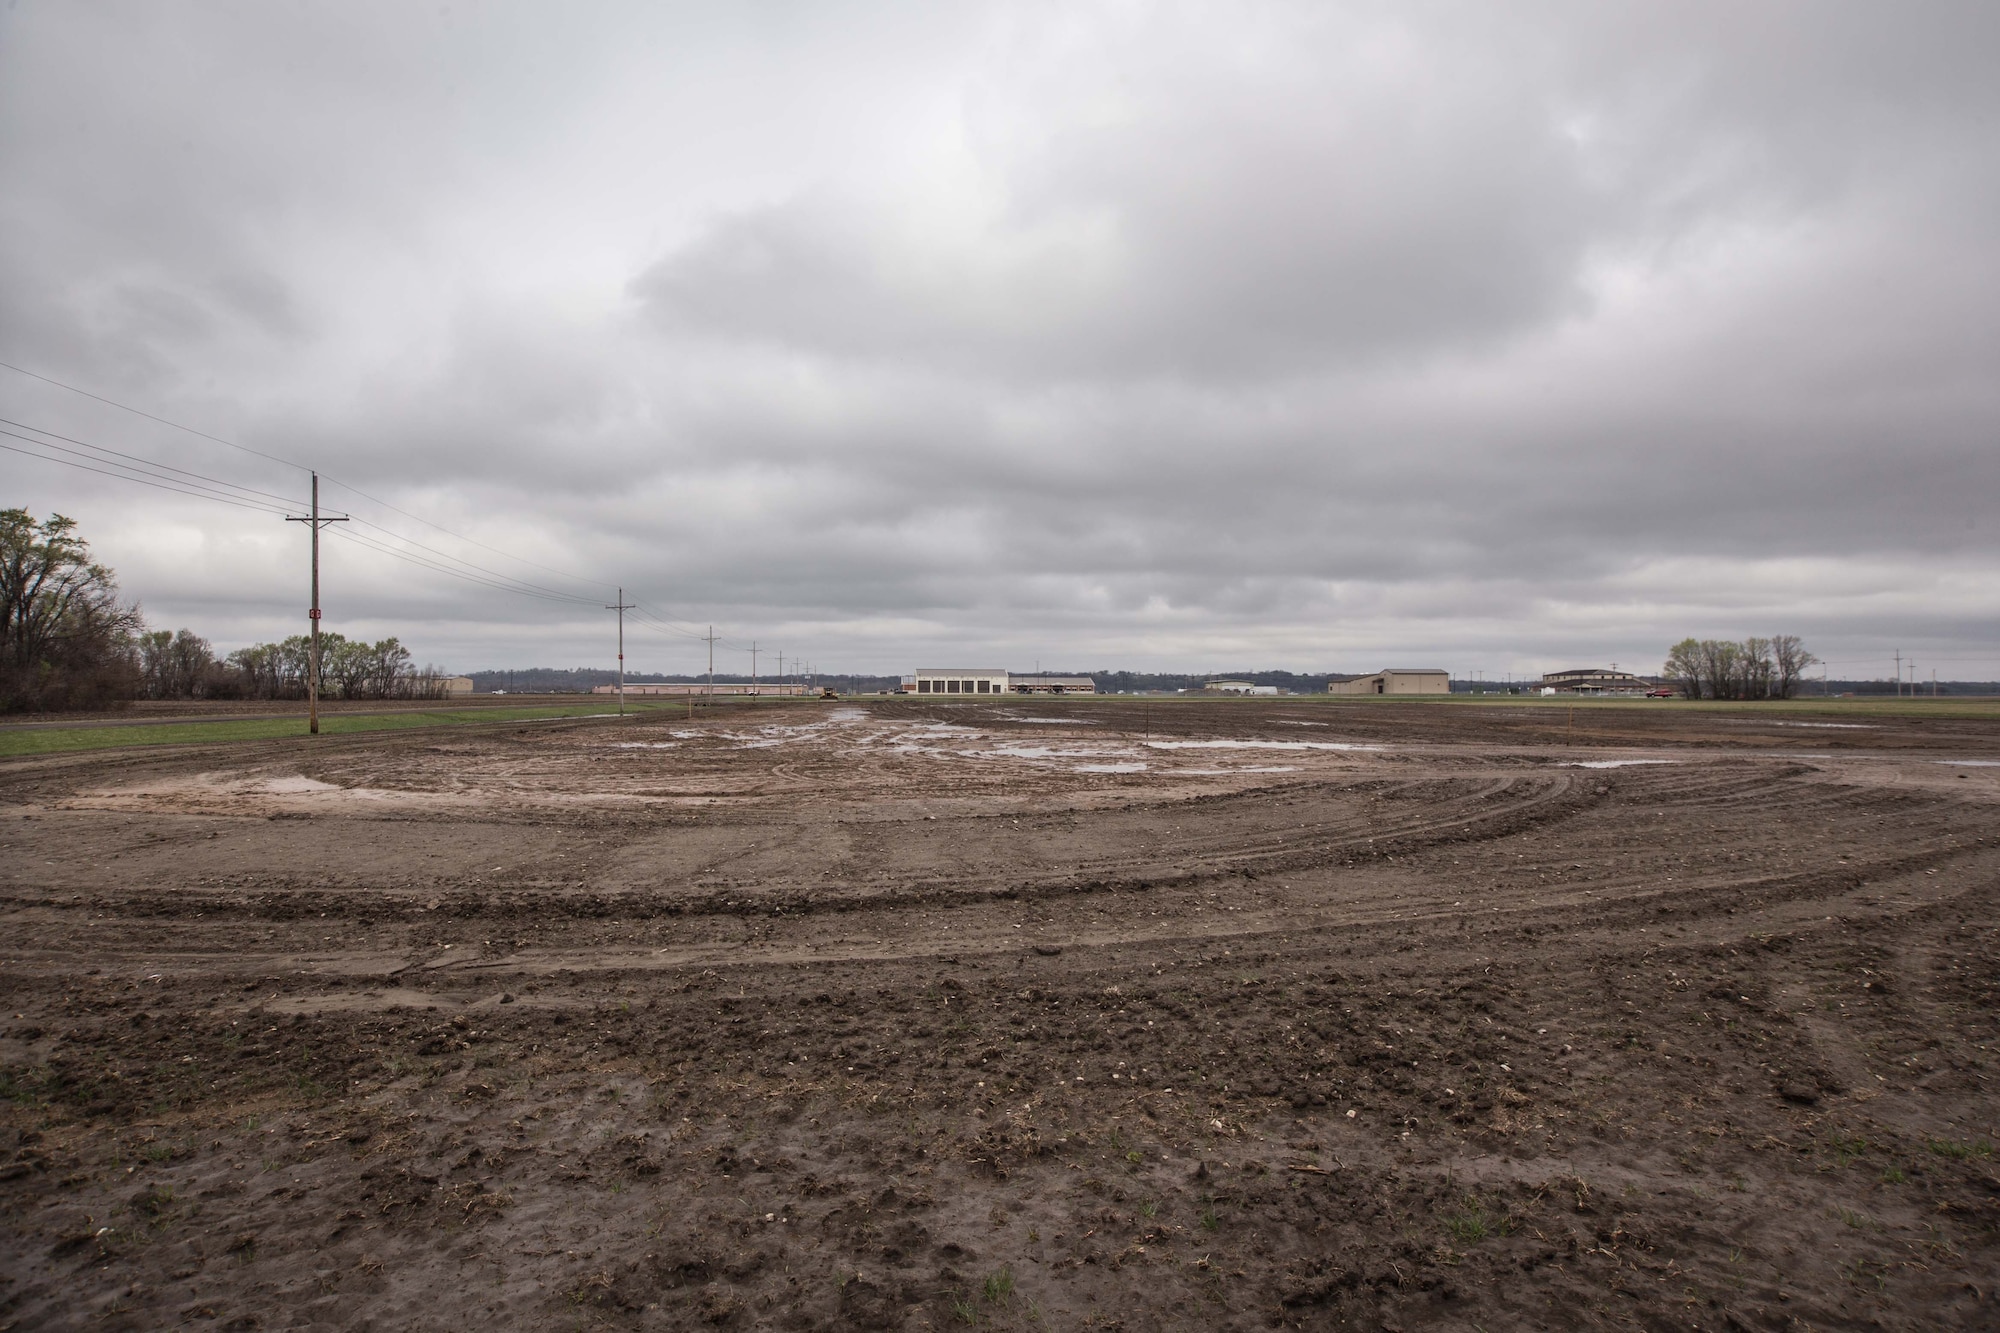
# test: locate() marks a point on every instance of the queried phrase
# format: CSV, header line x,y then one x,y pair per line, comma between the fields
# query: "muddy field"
x,y
1067,1015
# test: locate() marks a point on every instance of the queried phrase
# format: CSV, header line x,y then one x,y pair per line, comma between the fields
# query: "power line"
x,y
532,589
183,481
405,556
142,462
167,485
202,486
471,541
258,453
198,487
112,402
667,626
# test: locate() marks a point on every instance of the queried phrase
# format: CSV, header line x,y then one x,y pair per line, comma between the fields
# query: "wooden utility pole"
x,y
621,608
711,664
312,668
753,666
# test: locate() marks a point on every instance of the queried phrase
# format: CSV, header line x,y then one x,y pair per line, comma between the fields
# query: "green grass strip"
x,y
63,740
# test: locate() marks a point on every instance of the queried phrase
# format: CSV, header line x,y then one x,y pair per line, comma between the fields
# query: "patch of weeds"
x,y
1149,1208
1469,1225
1209,1221
1957,1151
1856,1220
153,1202
1116,1140
1894,1176
1846,1150
1864,1272
158,1152
998,1286
963,1310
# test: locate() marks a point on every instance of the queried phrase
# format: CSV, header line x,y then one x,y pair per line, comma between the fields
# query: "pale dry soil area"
x,y
1079,1014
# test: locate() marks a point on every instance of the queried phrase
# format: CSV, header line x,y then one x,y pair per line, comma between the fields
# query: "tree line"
x,y
180,664
67,641
1753,669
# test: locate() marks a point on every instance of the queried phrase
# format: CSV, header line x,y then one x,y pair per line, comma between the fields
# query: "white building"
x,y
1236,687
958,680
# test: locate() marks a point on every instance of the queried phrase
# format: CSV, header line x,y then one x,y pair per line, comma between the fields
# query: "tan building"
x,y
1051,684
1395,680
1595,680
454,686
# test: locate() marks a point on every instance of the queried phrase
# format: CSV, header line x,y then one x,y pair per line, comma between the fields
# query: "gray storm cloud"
x,y
1183,336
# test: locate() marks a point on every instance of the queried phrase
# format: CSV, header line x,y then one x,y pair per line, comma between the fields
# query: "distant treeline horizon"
x,y
581,680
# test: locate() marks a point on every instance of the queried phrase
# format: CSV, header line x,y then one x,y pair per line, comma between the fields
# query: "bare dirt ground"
x,y
1022,1015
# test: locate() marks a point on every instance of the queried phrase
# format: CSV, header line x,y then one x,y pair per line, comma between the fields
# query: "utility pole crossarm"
x,y
312,668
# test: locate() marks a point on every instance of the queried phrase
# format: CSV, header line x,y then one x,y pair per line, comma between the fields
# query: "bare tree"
x,y
1790,660
1718,660
1753,669
175,665
1684,667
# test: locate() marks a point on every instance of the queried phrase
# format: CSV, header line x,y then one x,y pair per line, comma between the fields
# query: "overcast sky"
x,y
1181,337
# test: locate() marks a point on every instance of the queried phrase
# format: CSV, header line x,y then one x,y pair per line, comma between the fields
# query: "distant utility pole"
x,y
312,670
781,670
621,607
753,666
1899,673
711,662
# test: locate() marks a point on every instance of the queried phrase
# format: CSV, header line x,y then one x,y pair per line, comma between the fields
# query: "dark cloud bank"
x,y
1308,336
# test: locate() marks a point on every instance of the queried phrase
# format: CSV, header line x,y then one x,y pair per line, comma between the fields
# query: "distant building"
x,y
1236,687
1051,684
990,680
1595,680
1395,680
958,680
456,685
732,689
